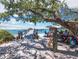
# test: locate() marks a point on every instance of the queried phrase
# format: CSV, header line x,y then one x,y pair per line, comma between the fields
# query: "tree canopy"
x,y
38,7
37,10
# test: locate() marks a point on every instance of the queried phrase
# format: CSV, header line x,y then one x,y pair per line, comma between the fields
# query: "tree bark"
x,y
55,40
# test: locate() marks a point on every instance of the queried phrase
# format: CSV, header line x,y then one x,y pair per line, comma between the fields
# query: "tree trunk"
x,y
55,40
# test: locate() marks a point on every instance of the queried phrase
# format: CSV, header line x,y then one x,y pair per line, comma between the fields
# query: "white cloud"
x,y
72,3
8,26
15,15
13,21
2,9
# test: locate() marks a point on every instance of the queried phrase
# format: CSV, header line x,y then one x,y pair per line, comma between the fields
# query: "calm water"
x,y
15,32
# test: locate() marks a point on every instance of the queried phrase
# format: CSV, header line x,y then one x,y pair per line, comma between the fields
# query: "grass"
x,y
5,36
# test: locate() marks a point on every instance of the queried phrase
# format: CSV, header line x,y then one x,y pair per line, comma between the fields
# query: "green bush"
x,y
5,36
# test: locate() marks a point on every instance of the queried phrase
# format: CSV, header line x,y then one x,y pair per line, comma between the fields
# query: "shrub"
x,y
5,36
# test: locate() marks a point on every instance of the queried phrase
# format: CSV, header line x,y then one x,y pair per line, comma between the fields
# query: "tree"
x,y
41,10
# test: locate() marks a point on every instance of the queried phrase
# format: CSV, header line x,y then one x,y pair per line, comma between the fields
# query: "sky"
x,y
71,3
14,24
2,8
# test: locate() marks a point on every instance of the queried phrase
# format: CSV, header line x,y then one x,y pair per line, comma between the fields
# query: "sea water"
x,y
15,32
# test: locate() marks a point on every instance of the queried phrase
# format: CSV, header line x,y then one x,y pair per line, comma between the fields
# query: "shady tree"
x,y
39,11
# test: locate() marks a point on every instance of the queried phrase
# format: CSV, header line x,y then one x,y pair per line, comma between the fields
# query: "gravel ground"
x,y
26,49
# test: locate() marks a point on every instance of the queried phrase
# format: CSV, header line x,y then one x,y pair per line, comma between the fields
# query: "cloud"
x,y
71,3
2,8
13,21
9,26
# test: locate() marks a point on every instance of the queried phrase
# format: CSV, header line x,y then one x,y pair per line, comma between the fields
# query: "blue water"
x,y
15,32
42,30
